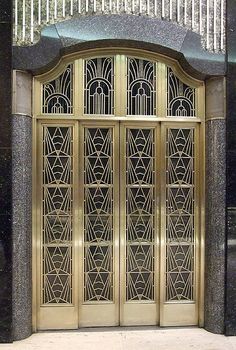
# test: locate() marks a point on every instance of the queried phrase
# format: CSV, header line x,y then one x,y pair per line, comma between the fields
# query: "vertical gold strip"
x,y
81,216
123,86
162,222
35,216
161,90
122,223
116,220
76,222
197,226
199,102
38,228
117,87
200,113
79,87
40,217
201,185
157,213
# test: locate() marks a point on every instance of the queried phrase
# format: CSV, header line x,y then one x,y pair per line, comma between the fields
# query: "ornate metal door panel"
x,y
100,224
99,272
139,225
180,225
57,260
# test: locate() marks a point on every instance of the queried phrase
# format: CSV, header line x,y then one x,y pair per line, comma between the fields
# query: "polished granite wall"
x,y
215,206
22,204
230,311
22,225
5,174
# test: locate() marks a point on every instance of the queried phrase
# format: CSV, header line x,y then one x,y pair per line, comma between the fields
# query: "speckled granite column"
x,y
230,309
215,206
22,206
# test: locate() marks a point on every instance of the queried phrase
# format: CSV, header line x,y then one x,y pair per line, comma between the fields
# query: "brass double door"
x,y
117,224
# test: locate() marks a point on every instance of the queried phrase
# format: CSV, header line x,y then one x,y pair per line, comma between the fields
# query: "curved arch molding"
x,y
94,31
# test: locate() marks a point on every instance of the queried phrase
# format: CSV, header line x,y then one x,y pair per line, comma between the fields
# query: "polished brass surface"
x,y
118,217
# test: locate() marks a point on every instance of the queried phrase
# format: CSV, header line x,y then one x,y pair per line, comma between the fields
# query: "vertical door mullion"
x,y
162,220
201,208
157,240
161,90
122,232
79,87
81,210
116,218
76,218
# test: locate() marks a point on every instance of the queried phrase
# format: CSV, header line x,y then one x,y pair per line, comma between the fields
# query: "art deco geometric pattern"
x,y
140,203
99,86
141,91
180,97
57,215
180,214
58,93
98,218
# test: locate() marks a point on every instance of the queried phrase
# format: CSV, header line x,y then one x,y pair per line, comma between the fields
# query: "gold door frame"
x,y
79,119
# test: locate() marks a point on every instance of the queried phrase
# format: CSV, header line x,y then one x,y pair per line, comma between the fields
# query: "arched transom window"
x,y
120,85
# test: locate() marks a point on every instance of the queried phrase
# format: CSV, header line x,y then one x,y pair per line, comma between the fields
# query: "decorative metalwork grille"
x,y
140,201
141,87
180,97
57,215
99,86
58,93
180,214
98,208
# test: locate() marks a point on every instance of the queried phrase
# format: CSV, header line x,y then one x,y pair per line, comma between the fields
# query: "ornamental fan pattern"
x,y
141,91
180,214
180,97
57,215
140,200
99,86
98,209
58,94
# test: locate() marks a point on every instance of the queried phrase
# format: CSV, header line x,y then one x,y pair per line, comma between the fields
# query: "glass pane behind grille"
x,y
98,209
140,203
